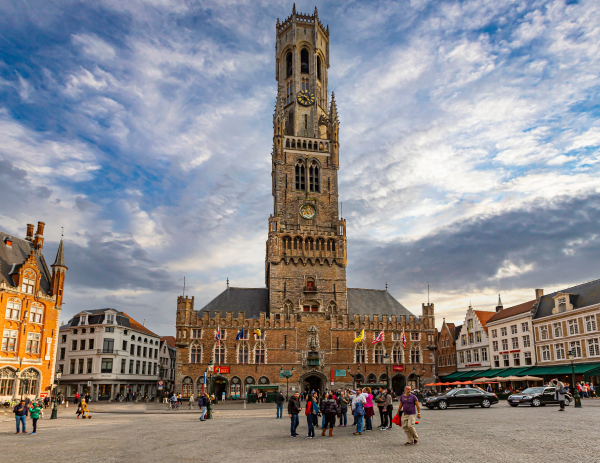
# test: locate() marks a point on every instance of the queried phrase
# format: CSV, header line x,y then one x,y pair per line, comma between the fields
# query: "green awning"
x,y
454,376
491,373
579,369
537,371
513,372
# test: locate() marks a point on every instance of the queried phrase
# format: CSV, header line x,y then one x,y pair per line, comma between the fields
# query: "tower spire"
x,y
294,9
333,115
60,256
499,306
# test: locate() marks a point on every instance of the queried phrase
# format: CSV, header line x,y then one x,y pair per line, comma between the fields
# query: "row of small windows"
x,y
13,311
304,64
308,244
106,366
10,337
303,144
244,353
379,354
313,177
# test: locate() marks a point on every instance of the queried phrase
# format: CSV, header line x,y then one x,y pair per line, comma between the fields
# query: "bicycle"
x,y
172,406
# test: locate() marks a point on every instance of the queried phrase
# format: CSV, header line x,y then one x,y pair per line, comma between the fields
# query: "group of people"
x,y
26,408
361,402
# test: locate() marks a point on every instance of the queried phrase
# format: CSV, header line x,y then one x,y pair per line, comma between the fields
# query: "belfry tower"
x,y
306,249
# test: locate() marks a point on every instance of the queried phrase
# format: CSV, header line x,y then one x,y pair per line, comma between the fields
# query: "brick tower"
x,y
306,248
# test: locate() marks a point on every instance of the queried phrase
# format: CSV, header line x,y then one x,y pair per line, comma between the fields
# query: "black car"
x,y
467,397
536,397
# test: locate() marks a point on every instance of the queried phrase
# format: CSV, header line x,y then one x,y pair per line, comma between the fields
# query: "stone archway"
x,y
219,386
313,380
398,383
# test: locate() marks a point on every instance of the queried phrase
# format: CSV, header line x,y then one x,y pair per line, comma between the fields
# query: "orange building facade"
x,y
31,298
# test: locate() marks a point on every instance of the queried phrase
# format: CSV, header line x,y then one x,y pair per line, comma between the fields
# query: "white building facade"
x,y
472,344
104,353
167,356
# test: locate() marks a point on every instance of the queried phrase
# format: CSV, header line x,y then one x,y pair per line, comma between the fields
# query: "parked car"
x,y
468,397
536,397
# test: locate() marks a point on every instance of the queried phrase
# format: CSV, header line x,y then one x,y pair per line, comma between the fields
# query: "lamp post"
x,y
571,357
211,368
386,359
354,376
287,374
55,407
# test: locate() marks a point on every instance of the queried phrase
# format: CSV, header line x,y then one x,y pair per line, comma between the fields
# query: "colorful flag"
x,y
361,336
257,332
218,335
240,334
403,339
379,338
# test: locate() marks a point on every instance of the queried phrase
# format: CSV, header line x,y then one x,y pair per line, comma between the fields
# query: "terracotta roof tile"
x,y
137,326
515,310
484,316
170,340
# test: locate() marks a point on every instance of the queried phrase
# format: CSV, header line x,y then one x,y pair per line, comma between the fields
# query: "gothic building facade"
x,y
305,318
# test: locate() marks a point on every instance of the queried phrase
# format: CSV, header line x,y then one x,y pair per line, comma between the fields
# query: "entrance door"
x,y
313,383
235,391
219,387
398,384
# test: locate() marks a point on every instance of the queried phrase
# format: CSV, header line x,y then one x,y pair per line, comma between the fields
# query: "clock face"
x,y
307,211
305,98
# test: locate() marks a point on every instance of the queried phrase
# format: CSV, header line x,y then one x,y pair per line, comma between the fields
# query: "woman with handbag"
x,y
369,413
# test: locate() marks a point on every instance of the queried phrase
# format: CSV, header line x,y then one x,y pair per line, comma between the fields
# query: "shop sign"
x,y
398,368
221,370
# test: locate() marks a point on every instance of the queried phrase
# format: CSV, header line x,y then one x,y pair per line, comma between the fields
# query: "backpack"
x,y
359,410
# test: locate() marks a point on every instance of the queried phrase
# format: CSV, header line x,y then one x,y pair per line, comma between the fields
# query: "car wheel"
x,y
567,401
514,405
442,405
536,402
486,403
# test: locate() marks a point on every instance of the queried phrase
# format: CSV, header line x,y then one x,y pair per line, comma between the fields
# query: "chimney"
x,y
38,242
538,294
29,236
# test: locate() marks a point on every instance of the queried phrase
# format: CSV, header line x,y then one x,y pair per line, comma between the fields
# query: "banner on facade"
x,y
222,370
340,372
398,368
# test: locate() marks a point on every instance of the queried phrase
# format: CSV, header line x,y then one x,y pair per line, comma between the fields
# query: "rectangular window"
x,y
73,345
63,338
13,309
89,366
575,348
590,323
478,336
527,358
72,367
28,285
197,334
80,367
395,336
573,327
145,351
557,330
82,344
469,357
125,345
494,333
546,353
559,351
92,330
155,353
123,366
484,355
144,368
62,353
414,336
476,355
33,343
139,351
562,304
544,332
109,329
110,318
106,366
517,360
526,341
506,360
137,367
505,344
90,343
503,331
496,361
464,339
35,313
515,343
108,346
593,347
470,338
524,327
461,356
495,346
9,340
155,369
470,324
132,350
513,329
131,367
74,331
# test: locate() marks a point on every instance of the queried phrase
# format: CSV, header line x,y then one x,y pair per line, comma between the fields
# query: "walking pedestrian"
x,y
294,409
409,406
389,407
34,410
279,400
343,404
561,393
380,401
20,412
311,409
76,398
369,413
358,404
46,401
202,404
191,401
329,410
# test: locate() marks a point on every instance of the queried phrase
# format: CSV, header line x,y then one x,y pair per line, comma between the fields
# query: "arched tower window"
x,y
320,244
319,67
378,354
287,242
196,353
360,353
243,350
397,354
313,176
300,177
259,352
289,65
219,354
304,67
415,354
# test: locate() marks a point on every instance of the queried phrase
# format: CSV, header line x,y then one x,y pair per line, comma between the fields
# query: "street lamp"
x,y
354,376
287,374
571,357
211,368
55,407
386,359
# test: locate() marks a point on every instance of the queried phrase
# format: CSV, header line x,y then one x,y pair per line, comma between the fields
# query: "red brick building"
x,y
30,303
446,349
305,318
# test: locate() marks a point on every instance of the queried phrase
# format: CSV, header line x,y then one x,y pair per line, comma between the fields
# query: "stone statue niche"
x,y
313,339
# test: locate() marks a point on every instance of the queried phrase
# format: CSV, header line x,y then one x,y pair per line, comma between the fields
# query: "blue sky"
x,y
470,136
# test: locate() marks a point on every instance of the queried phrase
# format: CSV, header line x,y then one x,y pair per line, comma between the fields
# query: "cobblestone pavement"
x,y
499,434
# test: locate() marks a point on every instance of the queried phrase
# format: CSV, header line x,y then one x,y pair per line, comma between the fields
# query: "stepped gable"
x,y
252,301
374,302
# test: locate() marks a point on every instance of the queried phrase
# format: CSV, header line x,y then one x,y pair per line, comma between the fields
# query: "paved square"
x,y
499,434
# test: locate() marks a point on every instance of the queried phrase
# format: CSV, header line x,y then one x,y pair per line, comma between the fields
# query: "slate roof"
x,y
586,294
60,256
511,311
457,331
12,258
252,301
96,316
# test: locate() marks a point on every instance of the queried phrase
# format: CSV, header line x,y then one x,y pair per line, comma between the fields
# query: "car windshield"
x,y
533,390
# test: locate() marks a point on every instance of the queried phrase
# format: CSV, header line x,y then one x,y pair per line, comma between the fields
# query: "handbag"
x,y
396,420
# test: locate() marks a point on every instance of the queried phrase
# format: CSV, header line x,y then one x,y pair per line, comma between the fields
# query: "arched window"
x,y
319,67
29,381
310,244
293,143
7,381
263,380
378,354
219,354
415,354
139,339
320,244
371,379
28,285
298,243
287,143
310,285
289,66
13,309
196,353
287,242
243,350
310,145
146,340
187,387
397,354
332,308
304,67
360,353
331,245
36,312
259,352
300,177
313,175
133,338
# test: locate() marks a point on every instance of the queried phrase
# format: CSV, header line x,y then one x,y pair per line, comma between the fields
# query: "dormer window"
x,y
83,320
8,242
562,304
28,284
110,319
